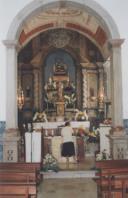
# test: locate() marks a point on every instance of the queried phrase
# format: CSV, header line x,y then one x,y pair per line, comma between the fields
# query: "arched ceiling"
x,y
71,41
71,18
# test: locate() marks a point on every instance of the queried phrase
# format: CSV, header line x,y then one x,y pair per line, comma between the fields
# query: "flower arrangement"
x,y
50,163
70,99
81,116
40,117
103,155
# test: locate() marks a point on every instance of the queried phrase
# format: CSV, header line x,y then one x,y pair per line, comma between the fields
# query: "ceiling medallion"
x,y
59,38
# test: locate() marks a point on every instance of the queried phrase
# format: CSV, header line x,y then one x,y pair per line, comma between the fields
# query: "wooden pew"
x,y
113,178
19,184
17,176
19,180
20,165
17,190
23,167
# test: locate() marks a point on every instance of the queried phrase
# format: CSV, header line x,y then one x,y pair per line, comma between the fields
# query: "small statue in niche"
x,y
60,68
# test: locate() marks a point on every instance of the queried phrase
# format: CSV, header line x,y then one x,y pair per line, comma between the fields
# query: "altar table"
x,y
54,125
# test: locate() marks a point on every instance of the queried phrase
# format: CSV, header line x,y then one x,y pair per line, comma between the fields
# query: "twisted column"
x,y
101,87
36,88
85,89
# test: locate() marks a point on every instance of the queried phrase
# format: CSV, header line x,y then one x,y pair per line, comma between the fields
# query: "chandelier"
x,y
20,98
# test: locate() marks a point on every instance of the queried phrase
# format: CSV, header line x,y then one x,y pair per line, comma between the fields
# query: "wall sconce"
x,y
20,98
101,97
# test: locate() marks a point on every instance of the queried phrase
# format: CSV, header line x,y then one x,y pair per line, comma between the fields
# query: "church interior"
x,y
65,73
64,76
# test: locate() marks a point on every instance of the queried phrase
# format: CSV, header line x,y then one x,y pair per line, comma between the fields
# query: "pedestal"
x,y
10,148
104,141
9,144
119,146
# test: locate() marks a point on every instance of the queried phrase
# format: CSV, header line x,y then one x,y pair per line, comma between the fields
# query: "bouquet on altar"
x,y
104,155
81,115
40,117
50,163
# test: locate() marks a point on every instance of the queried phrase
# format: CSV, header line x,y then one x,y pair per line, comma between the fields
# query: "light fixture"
x,y
20,98
101,95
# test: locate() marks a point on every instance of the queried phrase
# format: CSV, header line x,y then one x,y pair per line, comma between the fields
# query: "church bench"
x,y
14,189
18,183
17,176
14,196
104,164
112,178
22,167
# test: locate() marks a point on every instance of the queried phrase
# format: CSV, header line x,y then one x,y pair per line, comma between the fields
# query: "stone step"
x,y
69,174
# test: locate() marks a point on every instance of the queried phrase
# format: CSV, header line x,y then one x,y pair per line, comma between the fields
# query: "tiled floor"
x,y
74,182
68,188
88,164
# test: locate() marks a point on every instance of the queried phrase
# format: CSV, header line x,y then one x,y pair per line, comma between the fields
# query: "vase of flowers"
x,y
50,163
103,155
81,115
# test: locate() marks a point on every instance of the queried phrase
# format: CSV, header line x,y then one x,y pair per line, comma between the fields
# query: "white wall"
x,y
119,11
116,8
8,10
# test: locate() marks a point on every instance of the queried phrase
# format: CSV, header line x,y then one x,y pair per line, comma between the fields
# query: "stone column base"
x,y
9,142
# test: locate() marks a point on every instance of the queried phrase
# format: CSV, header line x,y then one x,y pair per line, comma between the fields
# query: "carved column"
x,y
36,87
11,87
116,81
85,89
101,87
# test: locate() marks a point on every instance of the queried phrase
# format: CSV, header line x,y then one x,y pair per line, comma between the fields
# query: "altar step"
x,y
69,174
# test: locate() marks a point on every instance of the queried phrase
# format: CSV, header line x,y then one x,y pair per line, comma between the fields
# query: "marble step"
x,y
69,174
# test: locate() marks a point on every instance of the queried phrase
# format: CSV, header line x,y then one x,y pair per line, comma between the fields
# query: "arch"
x,y
35,6
12,40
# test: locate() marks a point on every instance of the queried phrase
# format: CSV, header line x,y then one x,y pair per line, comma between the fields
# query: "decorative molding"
x,y
116,42
11,43
100,36
27,36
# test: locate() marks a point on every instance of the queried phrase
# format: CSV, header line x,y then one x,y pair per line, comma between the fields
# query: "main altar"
x,y
52,141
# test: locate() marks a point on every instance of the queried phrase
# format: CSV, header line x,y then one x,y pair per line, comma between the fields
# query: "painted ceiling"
x,y
67,18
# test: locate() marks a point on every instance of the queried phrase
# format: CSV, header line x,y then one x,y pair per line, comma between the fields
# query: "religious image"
x,y
59,88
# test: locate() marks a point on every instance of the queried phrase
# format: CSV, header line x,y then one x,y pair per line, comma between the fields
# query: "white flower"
x,y
99,156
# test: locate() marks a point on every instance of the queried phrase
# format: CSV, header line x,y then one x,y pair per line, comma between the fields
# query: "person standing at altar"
x,y
68,148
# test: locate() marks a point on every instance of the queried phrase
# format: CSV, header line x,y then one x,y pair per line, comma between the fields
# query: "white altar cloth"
x,y
33,147
54,125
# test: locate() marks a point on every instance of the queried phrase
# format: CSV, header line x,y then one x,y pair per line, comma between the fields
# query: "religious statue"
x,y
60,68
